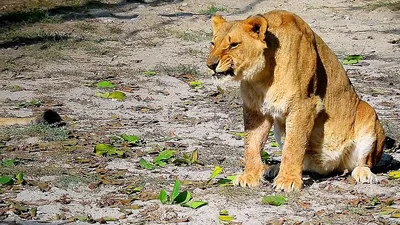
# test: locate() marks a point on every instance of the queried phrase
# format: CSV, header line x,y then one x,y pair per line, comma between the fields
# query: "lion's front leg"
x,y
256,127
300,122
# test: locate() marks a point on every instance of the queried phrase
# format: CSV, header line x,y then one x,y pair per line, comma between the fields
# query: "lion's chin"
x,y
227,73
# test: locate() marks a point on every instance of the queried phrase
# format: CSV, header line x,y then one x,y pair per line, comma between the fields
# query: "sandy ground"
x,y
119,43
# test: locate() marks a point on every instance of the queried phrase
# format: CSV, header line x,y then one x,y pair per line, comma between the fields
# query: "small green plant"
x,y
375,201
214,174
213,9
8,180
33,103
176,196
276,200
189,160
161,160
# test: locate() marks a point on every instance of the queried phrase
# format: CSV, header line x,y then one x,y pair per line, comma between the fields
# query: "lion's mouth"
x,y
229,72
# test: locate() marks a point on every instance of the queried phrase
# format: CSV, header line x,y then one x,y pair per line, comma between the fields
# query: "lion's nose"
x,y
212,65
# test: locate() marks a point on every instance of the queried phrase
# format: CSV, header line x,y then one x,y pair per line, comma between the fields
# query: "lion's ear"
x,y
217,21
256,26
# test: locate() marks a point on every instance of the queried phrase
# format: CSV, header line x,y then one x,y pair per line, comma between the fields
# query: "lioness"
x,y
290,78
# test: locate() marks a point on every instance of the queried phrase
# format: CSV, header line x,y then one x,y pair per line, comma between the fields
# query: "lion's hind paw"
x,y
363,174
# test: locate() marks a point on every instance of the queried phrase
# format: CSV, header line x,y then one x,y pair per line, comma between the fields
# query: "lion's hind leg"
x,y
369,142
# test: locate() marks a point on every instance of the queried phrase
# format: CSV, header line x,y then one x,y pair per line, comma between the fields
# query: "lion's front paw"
x,y
250,177
247,179
288,183
363,174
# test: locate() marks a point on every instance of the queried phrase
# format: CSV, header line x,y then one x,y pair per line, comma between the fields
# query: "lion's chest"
x,y
269,102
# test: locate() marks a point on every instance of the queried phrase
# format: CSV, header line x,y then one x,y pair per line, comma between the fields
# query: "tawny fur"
x,y
291,79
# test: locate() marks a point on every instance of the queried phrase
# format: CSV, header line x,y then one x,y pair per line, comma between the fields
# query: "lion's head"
x,y
237,48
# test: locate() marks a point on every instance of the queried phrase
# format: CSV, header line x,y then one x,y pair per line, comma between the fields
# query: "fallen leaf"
x,y
6,180
276,200
43,186
105,84
144,164
195,204
352,59
394,175
182,197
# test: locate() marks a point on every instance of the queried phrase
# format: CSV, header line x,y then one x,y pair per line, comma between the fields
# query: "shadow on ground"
x,y
73,11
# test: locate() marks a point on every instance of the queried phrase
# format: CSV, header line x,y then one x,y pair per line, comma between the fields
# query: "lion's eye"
x,y
212,44
233,45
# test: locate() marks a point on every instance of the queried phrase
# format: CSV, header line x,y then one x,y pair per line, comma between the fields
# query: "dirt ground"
x,y
52,56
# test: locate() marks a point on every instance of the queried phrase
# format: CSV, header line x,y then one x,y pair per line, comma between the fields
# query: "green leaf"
x,y
163,156
6,180
8,162
195,204
387,210
20,176
395,215
196,84
227,181
149,73
186,157
144,164
109,218
175,190
276,200
225,217
274,144
375,201
114,95
105,84
131,139
183,197
120,153
163,196
195,155
352,59
240,134
217,170
117,95
265,156
104,149
394,175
